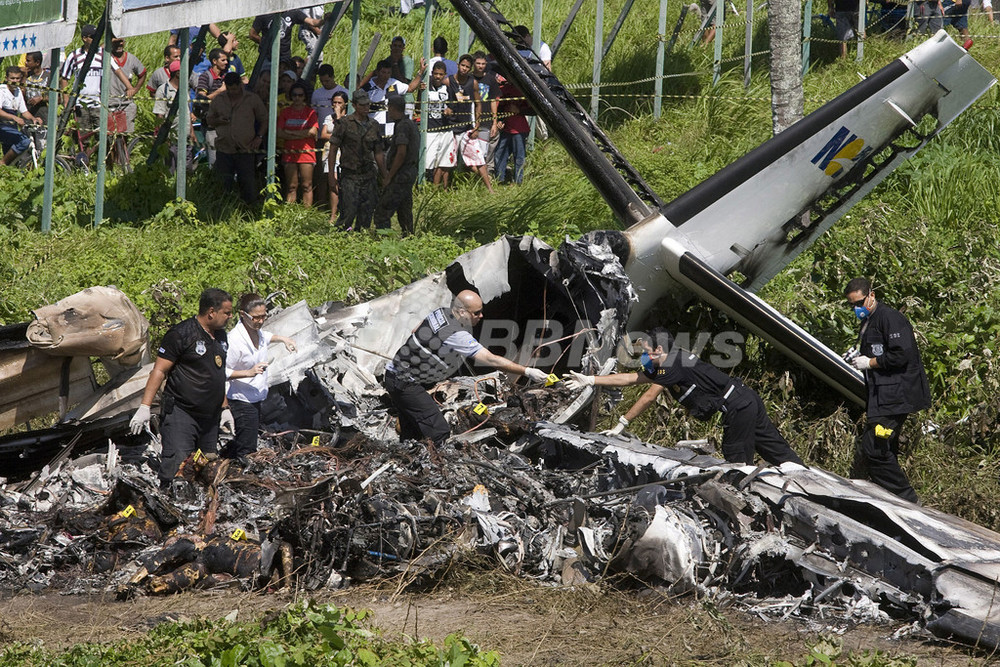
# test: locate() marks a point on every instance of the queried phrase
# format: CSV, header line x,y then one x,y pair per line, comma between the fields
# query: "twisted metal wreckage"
x,y
333,496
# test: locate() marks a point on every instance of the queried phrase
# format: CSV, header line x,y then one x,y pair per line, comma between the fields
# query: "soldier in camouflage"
x,y
404,155
358,138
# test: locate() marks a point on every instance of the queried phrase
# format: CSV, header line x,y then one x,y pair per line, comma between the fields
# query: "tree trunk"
x,y
784,21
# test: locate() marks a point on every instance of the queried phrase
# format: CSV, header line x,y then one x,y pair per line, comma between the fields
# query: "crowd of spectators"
x,y
475,120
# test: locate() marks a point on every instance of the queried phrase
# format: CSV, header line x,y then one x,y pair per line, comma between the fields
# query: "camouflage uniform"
x,y
397,196
359,140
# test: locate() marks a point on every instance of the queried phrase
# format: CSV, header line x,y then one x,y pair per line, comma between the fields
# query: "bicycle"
x,y
141,145
31,159
118,151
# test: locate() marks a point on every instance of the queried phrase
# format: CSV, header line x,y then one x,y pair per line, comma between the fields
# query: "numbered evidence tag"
x,y
551,379
481,409
238,535
197,456
127,512
315,442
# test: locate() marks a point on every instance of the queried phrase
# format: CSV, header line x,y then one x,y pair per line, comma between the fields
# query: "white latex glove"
x,y
140,420
226,422
618,428
536,375
579,381
862,363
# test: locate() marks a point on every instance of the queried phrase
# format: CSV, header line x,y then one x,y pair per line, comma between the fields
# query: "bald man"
x,y
433,352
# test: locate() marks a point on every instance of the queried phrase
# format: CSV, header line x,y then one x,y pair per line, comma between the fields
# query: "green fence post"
x,y
51,140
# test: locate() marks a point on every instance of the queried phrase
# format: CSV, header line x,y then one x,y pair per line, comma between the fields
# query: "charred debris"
x,y
333,497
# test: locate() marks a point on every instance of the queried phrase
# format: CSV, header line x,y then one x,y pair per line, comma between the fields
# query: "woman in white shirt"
x,y
246,370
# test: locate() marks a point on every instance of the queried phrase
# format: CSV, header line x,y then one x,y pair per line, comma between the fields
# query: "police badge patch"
x,y
218,361
200,348
877,349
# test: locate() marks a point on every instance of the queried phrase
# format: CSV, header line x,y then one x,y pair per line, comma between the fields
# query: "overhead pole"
x,y
102,145
720,12
428,20
661,47
617,27
677,29
806,35
536,46
51,141
355,44
183,115
324,36
272,96
595,87
748,45
464,43
564,28
862,20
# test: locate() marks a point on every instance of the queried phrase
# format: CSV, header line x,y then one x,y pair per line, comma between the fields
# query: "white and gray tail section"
x,y
755,215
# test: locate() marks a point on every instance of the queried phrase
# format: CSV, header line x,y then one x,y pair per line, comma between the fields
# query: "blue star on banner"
x,y
6,44
24,41
34,38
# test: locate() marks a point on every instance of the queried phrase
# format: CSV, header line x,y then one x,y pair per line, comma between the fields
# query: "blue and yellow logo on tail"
x,y
843,149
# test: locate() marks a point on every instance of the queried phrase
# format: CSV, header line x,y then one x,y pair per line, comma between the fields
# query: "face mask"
x,y
861,312
647,363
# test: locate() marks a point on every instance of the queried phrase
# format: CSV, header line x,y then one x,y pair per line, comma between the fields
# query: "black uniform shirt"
x,y
700,387
197,382
899,385
406,134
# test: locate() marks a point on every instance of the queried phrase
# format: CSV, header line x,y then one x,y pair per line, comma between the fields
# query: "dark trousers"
x,y
358,195
397,197
419,416
247,419
242,167
510,144
747,428
878,452
183,433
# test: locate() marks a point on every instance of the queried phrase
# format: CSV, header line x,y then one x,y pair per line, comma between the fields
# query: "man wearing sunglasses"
x,y
437,348
704,390
897,385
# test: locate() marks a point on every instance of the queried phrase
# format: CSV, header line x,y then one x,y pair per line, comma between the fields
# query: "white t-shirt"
x,y
322,101
163,98
241,356
90,91
377,95
12,103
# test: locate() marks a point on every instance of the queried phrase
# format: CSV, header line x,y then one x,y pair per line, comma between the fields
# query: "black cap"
x,y
88,30
231,79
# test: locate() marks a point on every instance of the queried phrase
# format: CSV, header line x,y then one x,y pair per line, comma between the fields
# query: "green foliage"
x,y
828,652
304,634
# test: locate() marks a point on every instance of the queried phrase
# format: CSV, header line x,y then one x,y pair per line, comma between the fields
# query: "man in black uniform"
x,y
896,381
704,390
433,352
404,156
192,358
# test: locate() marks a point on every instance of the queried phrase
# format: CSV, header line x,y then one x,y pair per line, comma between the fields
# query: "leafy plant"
x,y
304,634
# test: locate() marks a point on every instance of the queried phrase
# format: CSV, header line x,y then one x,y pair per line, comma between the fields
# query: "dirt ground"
x,y
528,624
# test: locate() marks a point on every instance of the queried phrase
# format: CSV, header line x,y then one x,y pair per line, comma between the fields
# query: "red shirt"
x,y
298,150
517,123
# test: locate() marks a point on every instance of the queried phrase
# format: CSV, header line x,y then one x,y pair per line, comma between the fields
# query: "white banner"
x,y
35,25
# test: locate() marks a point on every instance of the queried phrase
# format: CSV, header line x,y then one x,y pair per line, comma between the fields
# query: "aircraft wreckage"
x,y
333,496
